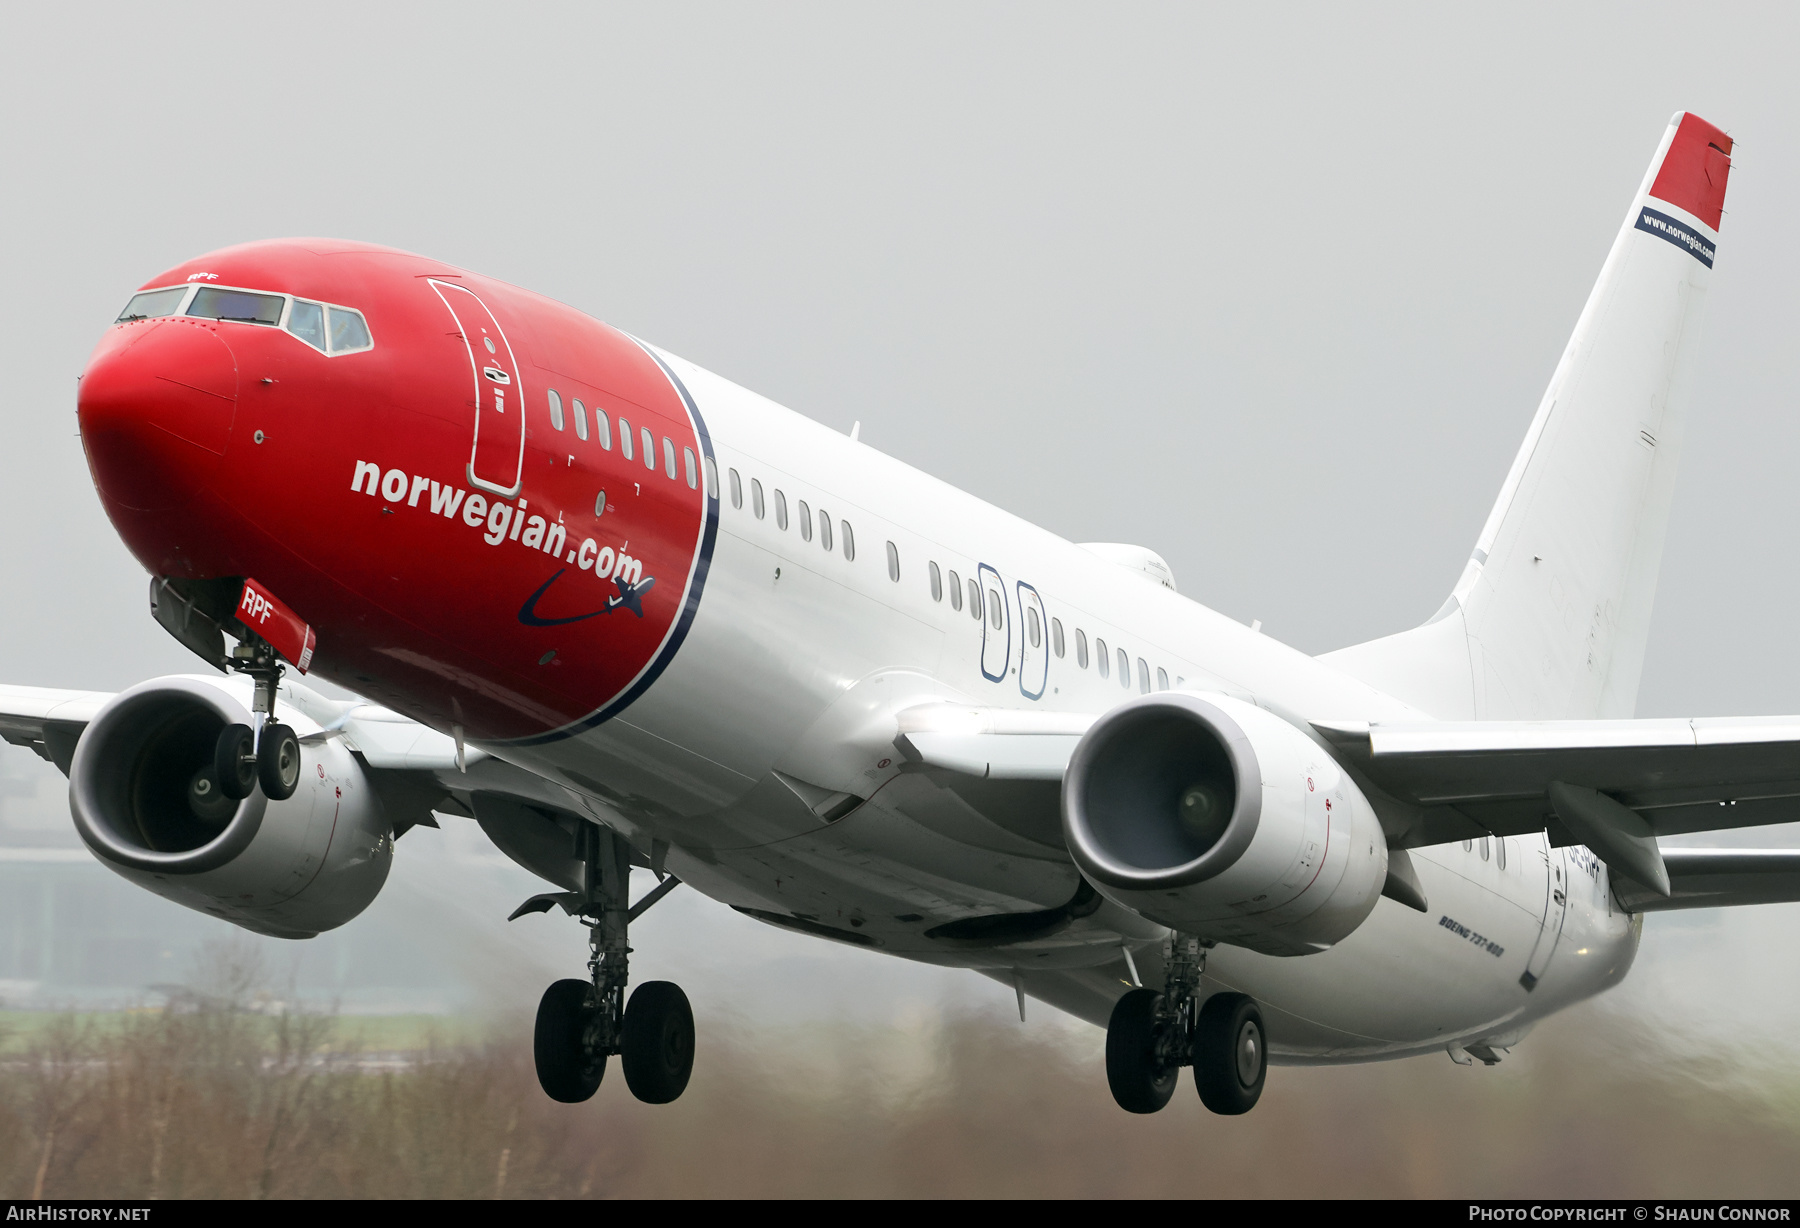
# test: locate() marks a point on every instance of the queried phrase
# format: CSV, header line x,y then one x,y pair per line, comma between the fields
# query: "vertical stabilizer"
x,y
1552,612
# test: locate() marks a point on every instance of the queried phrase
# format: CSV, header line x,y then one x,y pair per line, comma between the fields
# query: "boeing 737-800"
x,y
623,613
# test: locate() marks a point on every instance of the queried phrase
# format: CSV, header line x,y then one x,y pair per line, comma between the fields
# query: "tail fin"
x,y
1551,615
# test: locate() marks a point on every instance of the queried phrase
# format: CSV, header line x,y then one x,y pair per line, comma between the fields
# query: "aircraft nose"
x,y
155,407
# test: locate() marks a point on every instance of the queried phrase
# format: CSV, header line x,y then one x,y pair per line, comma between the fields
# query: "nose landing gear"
x,y
242,759
1152,1035
582,1023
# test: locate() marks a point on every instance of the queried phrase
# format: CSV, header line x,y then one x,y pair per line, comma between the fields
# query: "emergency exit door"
x,y
1556,908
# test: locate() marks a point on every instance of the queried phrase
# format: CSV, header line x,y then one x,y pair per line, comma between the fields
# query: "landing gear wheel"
x,y
1140,1074
234,761
566,1070
1231,1053
657,1048
278,762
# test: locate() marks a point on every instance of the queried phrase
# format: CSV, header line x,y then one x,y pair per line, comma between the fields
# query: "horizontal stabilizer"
x,y
1717,878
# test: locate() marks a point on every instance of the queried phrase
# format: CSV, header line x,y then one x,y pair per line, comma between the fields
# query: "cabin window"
x,y
1143,677
805,522
756,500
825,529
1102,658
937,580
1484,848
737,487
780,511
1124,669
849,540
1081,655
893,562
955,591
975,610
1033,629
687,460
649,442
1500,852
580,415
1056,636
1162,678
712,479
1468,845
556,418
996,609
603,432
625,438
669,458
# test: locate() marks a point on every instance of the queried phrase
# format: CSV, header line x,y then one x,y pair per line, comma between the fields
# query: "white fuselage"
x,y
782,698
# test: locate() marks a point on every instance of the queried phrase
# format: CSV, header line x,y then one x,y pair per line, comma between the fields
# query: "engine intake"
x,y
1215,817
146,802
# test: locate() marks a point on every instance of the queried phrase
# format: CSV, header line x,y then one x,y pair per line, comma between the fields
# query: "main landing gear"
x,y
244,757
1152,1035
582,1023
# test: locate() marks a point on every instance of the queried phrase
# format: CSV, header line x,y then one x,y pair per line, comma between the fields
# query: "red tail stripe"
x,y
1693,172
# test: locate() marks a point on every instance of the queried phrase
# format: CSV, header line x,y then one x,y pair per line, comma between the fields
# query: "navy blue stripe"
x,y
1680,234
688,610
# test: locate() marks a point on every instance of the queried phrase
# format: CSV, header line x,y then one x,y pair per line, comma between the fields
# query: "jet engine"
x,y
1214,817
147,803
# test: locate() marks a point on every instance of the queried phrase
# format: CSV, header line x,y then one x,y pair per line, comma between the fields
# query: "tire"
x,y
234,761
565,1070
1140,1080
657,1049
1231,1053
278,762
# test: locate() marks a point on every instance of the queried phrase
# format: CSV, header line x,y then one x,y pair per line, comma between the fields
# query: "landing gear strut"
x,y
582,1023
244,757
1152,1035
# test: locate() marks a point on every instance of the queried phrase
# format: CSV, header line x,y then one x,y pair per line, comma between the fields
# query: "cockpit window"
x,y
152,303
307,322
243,306
348,332
327,328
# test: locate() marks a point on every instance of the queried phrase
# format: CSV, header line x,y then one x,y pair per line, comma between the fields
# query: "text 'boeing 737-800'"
x,y
622,613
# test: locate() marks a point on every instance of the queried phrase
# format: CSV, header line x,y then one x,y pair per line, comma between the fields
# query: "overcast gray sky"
x,y
1270,289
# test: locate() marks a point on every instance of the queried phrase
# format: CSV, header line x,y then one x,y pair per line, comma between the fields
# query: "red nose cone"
x,y
156,405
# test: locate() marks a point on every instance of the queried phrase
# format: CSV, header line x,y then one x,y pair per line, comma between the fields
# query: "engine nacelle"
x,y
1211,816
288,869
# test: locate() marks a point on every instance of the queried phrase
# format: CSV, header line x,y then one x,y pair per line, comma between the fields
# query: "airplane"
x,y
626,615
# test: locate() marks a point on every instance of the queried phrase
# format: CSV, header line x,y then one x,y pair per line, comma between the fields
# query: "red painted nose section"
x,y
156,405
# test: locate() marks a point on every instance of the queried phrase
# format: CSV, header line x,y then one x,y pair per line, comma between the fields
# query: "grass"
x,y
220,1102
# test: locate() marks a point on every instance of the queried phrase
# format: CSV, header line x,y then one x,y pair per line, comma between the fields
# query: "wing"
x,y
416,771
1455,780
1614,786
46,720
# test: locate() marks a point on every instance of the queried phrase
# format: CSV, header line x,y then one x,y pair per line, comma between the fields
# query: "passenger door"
x,y
996,625
497,455
1034,652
